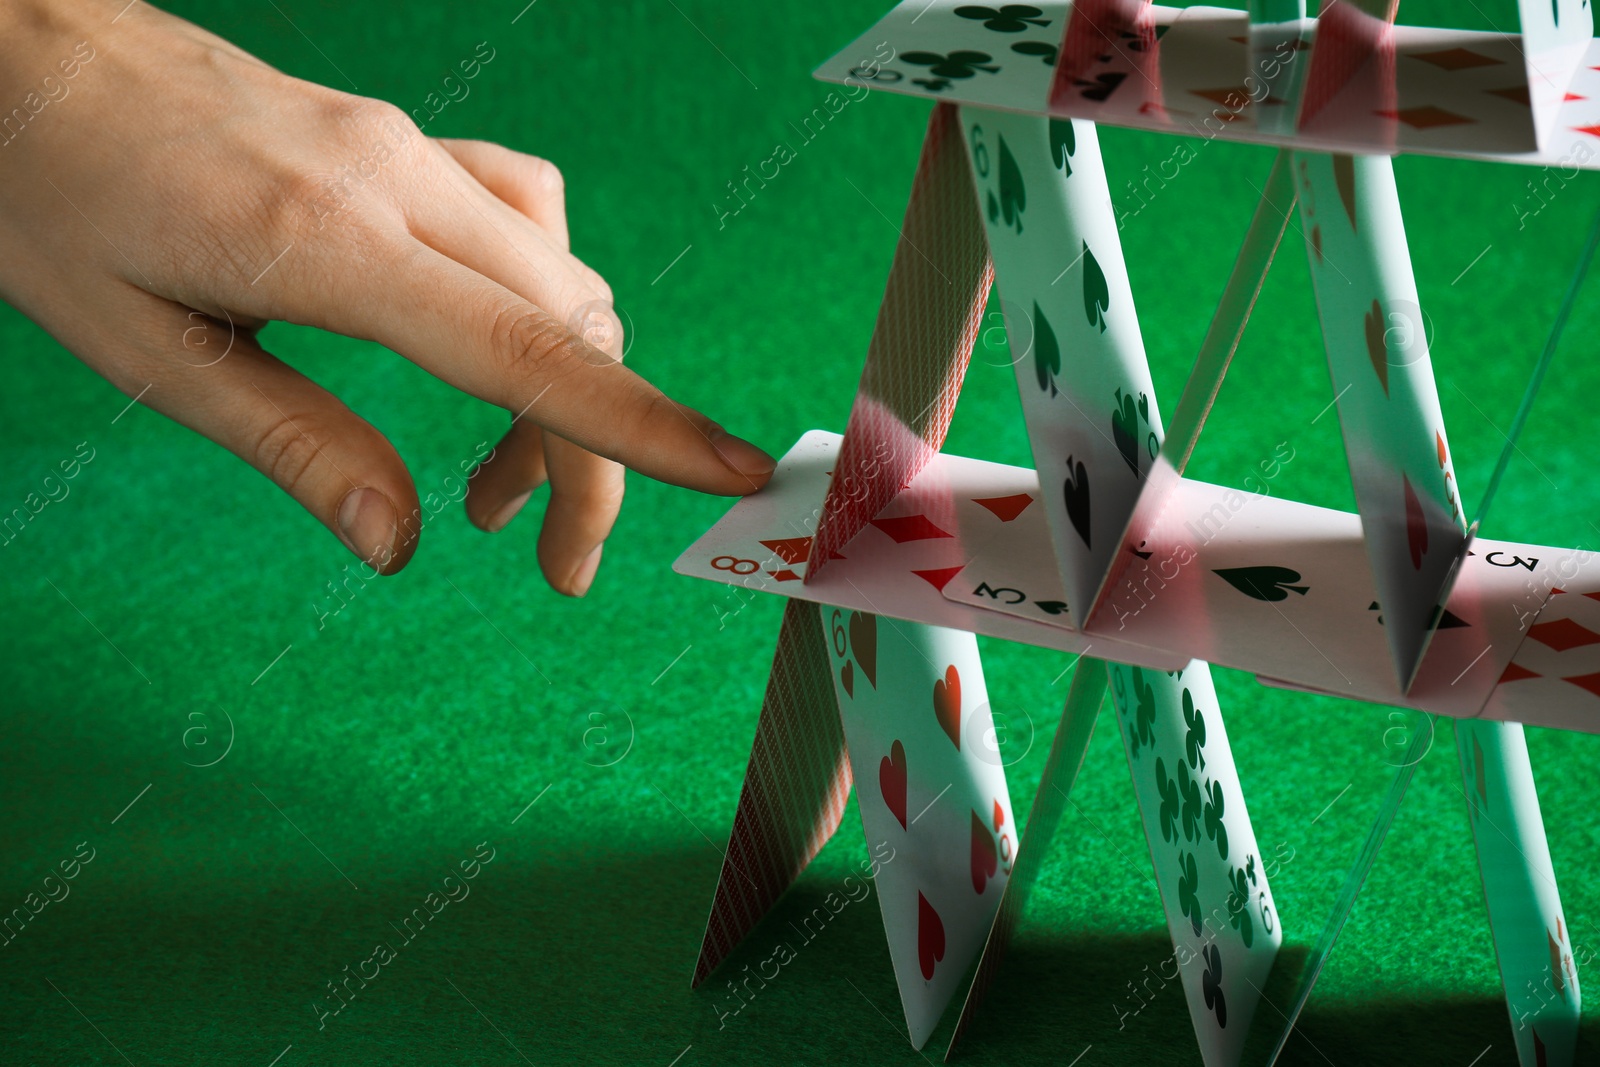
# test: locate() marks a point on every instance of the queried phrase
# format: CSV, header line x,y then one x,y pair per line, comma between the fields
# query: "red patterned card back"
x,y
929,319
795,787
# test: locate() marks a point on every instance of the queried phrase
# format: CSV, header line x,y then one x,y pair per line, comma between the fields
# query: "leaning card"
x,y
932,792
1213,880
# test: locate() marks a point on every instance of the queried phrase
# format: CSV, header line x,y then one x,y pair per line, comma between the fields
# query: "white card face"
x,y
1275,587
1219,908
974,530
897,564
1531,939
1376,336
1087,396
1443,92
932,792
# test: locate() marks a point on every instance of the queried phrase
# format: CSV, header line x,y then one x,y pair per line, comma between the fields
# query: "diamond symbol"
x,y
917,528
1516,673
1517,94
1563,634
1426,117
940,577
790,549
1455,59
1006,508
1591,682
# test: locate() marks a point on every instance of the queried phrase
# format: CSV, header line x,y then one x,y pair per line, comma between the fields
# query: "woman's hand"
x,y
163,195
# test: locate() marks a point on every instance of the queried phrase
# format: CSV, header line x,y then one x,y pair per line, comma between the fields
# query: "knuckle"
x,y
530,343
287,451
595,323
544,178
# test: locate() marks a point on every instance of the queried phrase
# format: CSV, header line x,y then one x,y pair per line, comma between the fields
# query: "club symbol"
x,y
1046,52
1195,739
1211,983
957,65
1189,793
1216,829
1170,801
1189,888
1009,18
1239,907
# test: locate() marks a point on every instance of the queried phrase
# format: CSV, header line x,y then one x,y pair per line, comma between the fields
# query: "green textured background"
x,y
433,708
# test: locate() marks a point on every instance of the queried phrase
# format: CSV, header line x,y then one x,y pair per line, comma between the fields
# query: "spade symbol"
x,y
1096,293
1125,430
1046,353
1263,583
1063,142
1013,194
1076,492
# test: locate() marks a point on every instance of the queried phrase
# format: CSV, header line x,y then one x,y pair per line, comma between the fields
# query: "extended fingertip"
x,y
742,457
368,526
506,512
583,577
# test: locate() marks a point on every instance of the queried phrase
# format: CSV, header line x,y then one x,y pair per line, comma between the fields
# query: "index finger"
x,y
486,340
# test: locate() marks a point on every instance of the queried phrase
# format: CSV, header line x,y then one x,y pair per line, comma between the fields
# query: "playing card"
x,y
1275,587
932,793
1087,397
1554,38
1061,768
1554,676
898,563
794,793
1220,913
1376,336
1205,72
1531,939
929,318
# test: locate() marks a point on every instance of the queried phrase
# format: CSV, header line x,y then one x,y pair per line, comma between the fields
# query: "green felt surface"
x,y
384,745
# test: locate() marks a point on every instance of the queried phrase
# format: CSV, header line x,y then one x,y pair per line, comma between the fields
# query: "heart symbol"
x,y
1144,407
947,704
847,678
1416,525
930,936
984,860
864,644
892,781
1076,492
1377,352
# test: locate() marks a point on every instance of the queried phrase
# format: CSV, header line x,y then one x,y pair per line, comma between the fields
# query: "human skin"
x,y
173,194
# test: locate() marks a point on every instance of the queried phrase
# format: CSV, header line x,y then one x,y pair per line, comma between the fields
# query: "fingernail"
x,y
740,455
507,512
583,577
367,525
